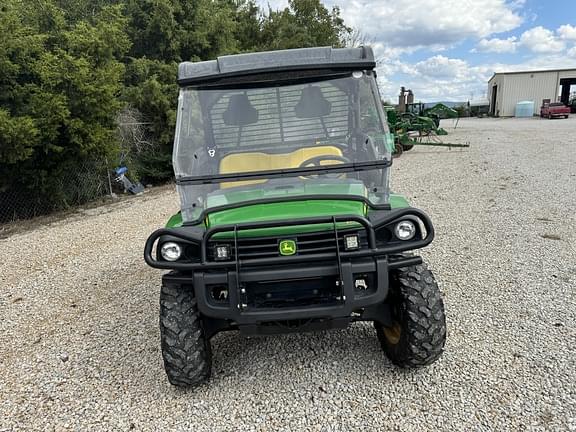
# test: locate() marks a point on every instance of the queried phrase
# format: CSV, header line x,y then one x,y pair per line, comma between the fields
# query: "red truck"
x,y
555,109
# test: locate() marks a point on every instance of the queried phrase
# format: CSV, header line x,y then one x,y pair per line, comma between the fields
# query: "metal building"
x,y
506,89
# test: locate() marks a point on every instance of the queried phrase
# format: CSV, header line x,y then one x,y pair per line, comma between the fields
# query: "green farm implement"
x,y
419,126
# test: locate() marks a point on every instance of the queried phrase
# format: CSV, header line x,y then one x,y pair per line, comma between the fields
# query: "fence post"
x,y
109,180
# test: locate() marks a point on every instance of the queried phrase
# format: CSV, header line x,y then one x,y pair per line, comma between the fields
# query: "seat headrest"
x,y
312,103
240,111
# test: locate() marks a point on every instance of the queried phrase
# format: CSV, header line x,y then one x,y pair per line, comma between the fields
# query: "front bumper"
x,y
337,273
238,309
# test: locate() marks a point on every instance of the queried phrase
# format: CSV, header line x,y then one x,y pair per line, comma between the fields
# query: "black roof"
x,y
276,61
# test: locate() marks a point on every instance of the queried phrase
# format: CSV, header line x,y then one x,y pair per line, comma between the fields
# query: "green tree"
x,y
181,30
248,30
152,90
59,95
304,23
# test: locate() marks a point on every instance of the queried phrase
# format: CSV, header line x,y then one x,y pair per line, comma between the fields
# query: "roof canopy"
x,y
276,61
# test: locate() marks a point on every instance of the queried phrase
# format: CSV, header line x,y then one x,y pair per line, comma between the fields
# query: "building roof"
x,y
276,61
532,71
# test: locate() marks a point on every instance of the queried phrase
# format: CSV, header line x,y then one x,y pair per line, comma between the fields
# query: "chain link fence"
x,y
88,181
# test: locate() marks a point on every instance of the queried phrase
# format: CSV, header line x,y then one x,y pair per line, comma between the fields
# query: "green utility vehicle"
x,y
287,222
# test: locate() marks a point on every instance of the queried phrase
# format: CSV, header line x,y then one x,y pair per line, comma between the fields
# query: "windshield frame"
x,y
286,172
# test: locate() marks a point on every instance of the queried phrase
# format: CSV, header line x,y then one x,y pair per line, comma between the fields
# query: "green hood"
x,y
286,210
237,195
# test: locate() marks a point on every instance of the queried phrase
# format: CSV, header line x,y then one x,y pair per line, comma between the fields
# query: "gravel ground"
x,y
79,313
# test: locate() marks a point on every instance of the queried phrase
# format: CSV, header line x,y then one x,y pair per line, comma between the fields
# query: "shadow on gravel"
x,y
278,357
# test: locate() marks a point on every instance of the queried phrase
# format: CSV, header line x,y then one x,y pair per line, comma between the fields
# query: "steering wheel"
x,y
316,161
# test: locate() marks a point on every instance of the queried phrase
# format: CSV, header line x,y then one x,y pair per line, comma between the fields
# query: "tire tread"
x,y
185,350
424,327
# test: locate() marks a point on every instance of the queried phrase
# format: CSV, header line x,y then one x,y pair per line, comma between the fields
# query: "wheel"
x,y
566,116
398,149
185,349
407,147
418,332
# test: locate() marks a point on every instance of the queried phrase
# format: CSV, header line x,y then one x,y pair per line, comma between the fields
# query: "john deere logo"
x,y
287,247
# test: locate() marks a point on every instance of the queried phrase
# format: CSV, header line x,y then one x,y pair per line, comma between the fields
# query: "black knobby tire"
x,y
407,147
418,334
185,349
398,149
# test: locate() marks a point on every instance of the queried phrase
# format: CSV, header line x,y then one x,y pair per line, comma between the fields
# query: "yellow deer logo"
x,y
287,247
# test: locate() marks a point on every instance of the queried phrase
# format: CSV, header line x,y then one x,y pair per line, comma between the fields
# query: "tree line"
x,y
96,79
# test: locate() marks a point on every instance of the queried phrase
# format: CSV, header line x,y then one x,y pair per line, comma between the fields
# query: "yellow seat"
x,y
257,161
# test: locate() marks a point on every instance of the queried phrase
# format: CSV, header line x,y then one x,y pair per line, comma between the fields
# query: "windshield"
x,y
261,141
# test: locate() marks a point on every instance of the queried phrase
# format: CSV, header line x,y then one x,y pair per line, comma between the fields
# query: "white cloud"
x,y
551,61
541,40
439,78
567,32
496,45
537,39
572,52
435,24
442,68
430,23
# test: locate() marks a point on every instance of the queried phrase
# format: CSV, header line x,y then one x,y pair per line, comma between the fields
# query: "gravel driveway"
x,y
79,313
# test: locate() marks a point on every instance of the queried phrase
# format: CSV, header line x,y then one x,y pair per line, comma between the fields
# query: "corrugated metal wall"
x,y
526,86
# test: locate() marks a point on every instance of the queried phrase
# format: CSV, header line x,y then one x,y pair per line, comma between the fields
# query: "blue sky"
x,y
448,49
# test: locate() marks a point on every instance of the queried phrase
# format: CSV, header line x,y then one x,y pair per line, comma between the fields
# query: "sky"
x,y
446,50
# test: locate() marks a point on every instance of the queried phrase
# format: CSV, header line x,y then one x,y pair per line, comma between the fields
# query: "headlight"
x,y
405,230
171,251
222,252
351,242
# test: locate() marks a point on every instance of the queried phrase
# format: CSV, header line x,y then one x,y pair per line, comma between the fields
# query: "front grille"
x,y
293,293
306,244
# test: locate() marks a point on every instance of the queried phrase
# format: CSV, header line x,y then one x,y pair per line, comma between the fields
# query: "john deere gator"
x,y
287,223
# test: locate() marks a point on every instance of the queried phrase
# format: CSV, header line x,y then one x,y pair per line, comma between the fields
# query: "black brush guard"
x,y
236,274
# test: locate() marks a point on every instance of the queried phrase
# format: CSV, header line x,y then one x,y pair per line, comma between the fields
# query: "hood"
x,y
285,210
298,209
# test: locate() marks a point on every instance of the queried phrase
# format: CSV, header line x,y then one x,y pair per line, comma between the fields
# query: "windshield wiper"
x,y
288,172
